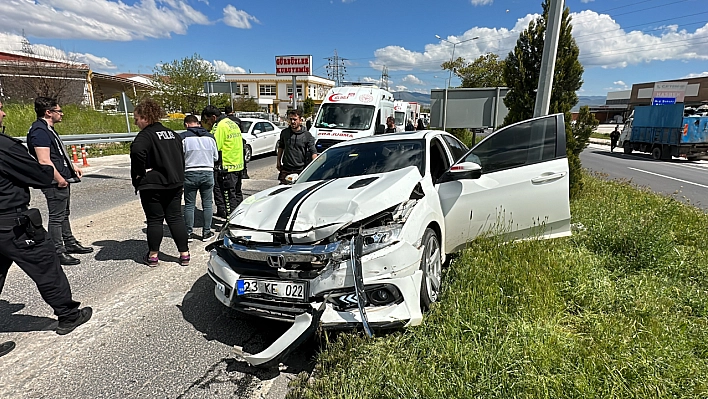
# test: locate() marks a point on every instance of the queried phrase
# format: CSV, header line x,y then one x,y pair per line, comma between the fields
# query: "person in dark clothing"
x,y
420,125
296,148
45,144
614,137
23,239
390,125
409,126
157,172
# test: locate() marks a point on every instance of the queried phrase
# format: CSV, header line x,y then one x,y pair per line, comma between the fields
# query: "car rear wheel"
x,y
247,153
431,265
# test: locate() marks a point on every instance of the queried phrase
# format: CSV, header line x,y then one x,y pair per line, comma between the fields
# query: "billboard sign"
x,y
293,65
668,90
663,101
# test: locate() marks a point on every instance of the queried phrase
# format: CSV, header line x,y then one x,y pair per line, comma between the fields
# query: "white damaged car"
x,y
360,238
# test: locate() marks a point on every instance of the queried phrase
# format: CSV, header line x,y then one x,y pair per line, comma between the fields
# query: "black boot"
x,y
66,326
77,248
67,260
6,347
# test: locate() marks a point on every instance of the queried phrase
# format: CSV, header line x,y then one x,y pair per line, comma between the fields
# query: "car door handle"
x,y
545,178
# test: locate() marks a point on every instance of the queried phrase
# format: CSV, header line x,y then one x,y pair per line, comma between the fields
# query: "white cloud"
x,y
238,18
619,83
367,79
13,43
400,88
99,19
695,75
481,2
222,67
411,79
586,1
601,40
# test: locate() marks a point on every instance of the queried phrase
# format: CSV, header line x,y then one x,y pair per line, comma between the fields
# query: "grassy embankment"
x,y
618,310
79,120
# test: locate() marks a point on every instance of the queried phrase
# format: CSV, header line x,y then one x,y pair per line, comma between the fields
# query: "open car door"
x,y
523,189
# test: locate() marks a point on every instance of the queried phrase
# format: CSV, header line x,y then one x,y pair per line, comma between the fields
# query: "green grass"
x,y
618,310
78,120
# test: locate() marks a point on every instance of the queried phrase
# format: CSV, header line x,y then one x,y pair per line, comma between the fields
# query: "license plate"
x,y
280,289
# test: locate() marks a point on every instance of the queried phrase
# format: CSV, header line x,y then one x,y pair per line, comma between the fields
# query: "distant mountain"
x,y
589,100
420,98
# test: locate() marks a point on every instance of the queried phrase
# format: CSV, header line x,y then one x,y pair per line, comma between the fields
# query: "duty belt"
x,y
12,217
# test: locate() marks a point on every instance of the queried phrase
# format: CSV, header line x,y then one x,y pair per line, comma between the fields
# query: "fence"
x,y
82,139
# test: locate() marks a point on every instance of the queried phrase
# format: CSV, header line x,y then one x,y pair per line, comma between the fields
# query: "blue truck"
x,y
665,132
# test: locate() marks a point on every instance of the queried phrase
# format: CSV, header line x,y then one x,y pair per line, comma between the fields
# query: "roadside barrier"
x,y
73,152
84,155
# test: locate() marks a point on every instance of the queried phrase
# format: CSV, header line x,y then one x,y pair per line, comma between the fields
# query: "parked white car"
x,y
361,237
261,137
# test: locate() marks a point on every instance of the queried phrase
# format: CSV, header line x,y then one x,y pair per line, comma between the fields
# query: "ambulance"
x,y
349,112
402,112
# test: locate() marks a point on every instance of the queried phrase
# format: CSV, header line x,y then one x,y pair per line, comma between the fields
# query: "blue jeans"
x,y
202,181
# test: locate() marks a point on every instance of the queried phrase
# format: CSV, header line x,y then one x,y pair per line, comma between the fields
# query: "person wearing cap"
x,y
24,241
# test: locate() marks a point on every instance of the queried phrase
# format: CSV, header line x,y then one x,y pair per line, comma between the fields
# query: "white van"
x,y
402,112
351,112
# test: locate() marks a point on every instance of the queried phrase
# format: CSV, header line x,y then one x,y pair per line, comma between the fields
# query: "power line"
x,y
336,68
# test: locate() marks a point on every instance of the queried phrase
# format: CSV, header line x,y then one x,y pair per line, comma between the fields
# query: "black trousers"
x,y
227,191
41,264
58,204
164,205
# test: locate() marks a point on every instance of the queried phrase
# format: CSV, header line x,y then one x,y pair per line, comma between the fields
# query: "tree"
x,y
521,72
485,71
180,83
246,104
576,142
308,107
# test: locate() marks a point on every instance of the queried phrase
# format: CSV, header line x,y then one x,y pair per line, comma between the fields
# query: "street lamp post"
x,y
449,79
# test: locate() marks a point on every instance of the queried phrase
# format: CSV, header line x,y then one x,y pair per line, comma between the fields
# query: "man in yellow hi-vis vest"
x,y
228,169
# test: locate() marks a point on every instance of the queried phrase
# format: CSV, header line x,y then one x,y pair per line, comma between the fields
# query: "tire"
x,y
656,153
431,266
247,153
627,147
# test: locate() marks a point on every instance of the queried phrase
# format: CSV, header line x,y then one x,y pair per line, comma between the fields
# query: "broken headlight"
x,y
374,239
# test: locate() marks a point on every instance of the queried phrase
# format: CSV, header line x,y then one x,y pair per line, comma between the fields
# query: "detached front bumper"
x,y
391,276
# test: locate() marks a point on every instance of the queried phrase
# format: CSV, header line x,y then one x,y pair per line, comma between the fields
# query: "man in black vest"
x,y
23,239
45,144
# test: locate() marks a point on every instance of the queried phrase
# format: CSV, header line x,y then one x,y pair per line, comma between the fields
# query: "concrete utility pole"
x,y
548,60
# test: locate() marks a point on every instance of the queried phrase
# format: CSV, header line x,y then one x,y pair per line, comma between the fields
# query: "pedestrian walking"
x,y
229,167
23,239
200,154
157,173
44,143
614,137
296,148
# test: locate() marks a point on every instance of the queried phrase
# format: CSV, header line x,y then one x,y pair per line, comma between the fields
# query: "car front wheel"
x,y
431,265
247,153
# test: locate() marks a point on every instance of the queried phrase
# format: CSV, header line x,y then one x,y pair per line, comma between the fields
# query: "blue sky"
x,y
621,41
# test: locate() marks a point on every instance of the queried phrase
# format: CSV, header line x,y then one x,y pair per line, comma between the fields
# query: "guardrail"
x,y
79,139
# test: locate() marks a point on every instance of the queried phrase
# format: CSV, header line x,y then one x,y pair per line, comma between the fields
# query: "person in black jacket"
x,y
157,172
45,144
23,239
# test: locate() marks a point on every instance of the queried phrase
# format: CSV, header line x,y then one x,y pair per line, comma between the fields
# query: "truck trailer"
x,y
665,132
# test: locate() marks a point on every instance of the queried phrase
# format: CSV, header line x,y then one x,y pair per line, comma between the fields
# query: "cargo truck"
x,y
665,132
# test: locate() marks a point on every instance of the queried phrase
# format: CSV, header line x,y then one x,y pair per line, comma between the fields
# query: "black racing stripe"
x,y
297,209
282,222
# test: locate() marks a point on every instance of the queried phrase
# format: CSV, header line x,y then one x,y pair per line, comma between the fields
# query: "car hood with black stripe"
x,y
311,211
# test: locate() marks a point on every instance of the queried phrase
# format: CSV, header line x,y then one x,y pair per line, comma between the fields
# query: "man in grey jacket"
x,y
200,153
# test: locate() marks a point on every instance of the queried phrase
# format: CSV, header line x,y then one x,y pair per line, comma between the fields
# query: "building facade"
x,y
274,93
696,92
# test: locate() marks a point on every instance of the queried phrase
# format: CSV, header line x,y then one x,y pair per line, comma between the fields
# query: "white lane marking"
x,y
669,177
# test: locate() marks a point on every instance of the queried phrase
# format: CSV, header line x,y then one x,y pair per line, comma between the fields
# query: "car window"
x,y
457,148
518,145
366,158
259,126
268,127
246,125
345,116
439,163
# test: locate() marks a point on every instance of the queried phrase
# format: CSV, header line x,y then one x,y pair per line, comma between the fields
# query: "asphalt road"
x,y
684,180
155,332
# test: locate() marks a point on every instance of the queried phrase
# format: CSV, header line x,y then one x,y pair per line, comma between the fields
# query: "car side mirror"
x,y
255,132
462,171
380,129
291,178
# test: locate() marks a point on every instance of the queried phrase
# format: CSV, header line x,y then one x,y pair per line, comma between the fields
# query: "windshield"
x,y
365,159
345,116
400,118
245,125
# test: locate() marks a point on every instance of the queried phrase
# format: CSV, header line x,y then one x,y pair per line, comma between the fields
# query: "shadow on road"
x,y
128,250
19,322
217,322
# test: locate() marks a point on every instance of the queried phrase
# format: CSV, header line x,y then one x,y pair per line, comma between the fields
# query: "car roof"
x,y
414,135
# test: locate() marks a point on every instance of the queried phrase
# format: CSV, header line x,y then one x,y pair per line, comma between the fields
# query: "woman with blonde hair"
x,y
157,172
